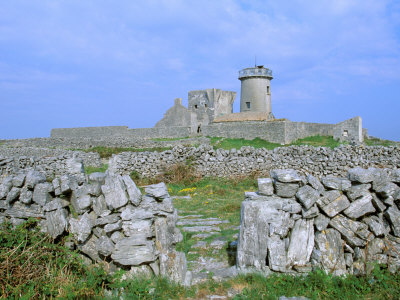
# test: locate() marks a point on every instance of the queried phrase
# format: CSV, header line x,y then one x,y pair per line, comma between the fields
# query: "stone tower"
x,y
256,90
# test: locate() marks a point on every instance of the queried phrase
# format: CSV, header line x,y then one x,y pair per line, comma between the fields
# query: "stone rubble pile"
x,y
108,216
298,223
50,161
318,161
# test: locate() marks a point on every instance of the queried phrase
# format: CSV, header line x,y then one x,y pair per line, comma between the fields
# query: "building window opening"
x,y
345,133
195,106
199,129
248,105
205,105
267,89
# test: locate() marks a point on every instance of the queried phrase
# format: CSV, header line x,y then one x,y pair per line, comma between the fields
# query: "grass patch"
x,y
379,142
227,143
106,152
318,141
33,266
90,169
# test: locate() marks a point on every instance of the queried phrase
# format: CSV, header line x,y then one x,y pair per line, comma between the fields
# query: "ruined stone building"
x,y
210,113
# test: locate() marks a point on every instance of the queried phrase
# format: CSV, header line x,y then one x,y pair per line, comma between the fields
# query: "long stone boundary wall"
x,y
50,161
340,225
107,215
206,161
279,131
110,142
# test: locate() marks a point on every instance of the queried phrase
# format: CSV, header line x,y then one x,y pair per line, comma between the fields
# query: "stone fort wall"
x,y
282,132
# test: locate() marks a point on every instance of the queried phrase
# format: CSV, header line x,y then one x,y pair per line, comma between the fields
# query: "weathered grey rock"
x,y
56,186
99,232
114,191
321,222
130,213
97,177
34,177
18,180
56,203
393,215
107,219
310,213
333,203
104,246
200,229
134,193
378,204
357,191
93,189
158,191
360,207
385,189
74,166
68,183
19,210
276,253
133,251
265,186
56,222
143,271
5,187
361,175
13,194
286,190
285,175
375,246
89,248
301,243
141,227
99,205
116,236
113,227
253,237
156,207
329,243
307,196
173,265
41,193
82,203
336,183
280,223
315,183
81,228
355,233
376,225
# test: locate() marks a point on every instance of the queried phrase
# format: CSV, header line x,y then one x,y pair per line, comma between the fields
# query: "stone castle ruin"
x,y
210,113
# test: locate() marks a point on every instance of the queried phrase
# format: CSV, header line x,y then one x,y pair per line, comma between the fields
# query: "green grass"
x,y
316,141
106,152
90,169
379,142
227,143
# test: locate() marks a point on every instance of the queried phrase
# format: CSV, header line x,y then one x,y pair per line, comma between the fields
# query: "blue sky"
x,y
76,63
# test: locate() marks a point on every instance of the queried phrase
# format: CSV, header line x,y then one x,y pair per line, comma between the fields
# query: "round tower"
x,y
255,89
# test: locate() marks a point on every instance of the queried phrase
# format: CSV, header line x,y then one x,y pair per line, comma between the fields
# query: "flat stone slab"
x,y
203,222
201,229
189,216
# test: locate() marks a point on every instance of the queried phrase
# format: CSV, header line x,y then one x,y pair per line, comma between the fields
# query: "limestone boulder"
x,y
133,251
333,202
285,175
114,191
301,243
361,175
330,246
307,196
360,207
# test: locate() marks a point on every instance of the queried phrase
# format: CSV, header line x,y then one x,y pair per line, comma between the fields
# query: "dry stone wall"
x,y
50,161
339,224
107,215
109,141
317,161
